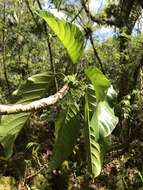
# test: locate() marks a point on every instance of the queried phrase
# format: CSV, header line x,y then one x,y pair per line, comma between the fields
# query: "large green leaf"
x,y
107,120
93,149
67,128
100,118
90,96
111,96
99,81
9,129
32,89
69,34
65,142
104,92
72,109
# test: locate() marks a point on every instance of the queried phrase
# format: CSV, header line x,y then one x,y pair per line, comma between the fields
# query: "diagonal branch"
x,y
96,53
97,19
42,103
31,12
78,12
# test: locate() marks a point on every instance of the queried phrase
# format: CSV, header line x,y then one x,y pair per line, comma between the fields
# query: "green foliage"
x,y
91,138
25,51
57,3
101,122
90,96
67,127
104,112
65,142
71,79
126,106
99,81
32,89
107,121
69,34
9,129
99,119
39,182
7,183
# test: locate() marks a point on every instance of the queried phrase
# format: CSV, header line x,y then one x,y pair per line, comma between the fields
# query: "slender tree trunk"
x,y
4,51
53,69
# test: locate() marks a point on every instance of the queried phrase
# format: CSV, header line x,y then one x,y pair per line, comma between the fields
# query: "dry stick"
x,y
42,103
36,173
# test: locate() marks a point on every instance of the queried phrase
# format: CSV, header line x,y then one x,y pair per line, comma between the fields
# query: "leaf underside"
x,y
93,149
65,142
100,118
99,81
69,34
32,89
67,127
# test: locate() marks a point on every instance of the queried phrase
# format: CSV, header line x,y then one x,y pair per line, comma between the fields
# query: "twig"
x,y
75,17
48,40
42,103
30,10
95,52
50,49
36,173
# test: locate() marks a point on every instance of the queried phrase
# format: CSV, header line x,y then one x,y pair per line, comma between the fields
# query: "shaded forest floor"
x,y
122,168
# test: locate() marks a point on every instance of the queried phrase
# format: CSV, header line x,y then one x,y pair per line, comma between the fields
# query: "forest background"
x,y
113,43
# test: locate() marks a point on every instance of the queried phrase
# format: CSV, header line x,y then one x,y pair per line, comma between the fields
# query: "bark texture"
x,y
42,103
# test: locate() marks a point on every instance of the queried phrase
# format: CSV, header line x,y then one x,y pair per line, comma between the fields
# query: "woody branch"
x,y
42,103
